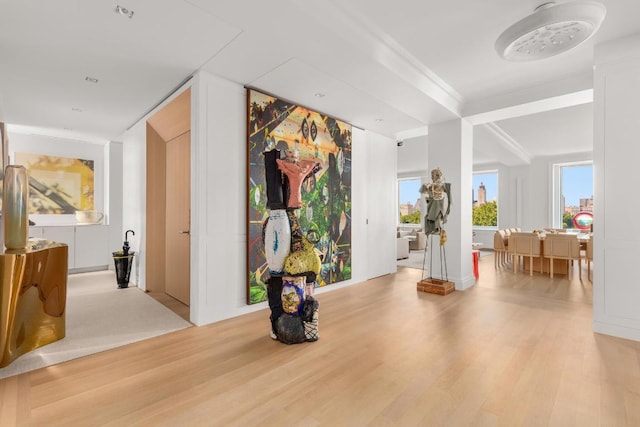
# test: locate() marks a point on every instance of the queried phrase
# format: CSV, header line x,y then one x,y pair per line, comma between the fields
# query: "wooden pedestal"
x,y
436,286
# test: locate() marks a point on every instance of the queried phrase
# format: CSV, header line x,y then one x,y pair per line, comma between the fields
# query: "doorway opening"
x,y
168,205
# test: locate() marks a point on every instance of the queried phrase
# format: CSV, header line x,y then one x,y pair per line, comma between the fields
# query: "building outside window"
x,y
485,199
409,201
573,196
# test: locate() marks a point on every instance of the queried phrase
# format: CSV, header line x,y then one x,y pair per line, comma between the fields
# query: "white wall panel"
x,y
616,297
381,205
134,204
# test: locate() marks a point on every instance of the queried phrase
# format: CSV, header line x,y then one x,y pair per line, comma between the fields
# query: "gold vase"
x,y
15,201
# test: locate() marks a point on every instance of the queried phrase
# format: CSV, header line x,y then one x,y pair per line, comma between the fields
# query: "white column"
x,y
616,295
451,150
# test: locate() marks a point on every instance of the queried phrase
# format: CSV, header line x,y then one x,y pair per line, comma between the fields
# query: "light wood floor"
x,y
513,350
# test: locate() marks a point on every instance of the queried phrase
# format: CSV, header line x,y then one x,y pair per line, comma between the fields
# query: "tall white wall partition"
x,y
218,202
616,296
381,205
115,182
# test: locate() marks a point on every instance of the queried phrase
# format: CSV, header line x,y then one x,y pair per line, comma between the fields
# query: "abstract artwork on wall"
x,y
58,185
321,209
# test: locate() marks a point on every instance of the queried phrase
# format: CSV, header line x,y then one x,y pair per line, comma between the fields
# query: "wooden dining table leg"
x,y
551,267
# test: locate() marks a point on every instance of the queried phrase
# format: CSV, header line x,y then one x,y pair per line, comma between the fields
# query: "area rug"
x,y
99,317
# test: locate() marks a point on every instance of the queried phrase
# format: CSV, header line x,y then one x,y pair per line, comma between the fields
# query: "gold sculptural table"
x,y
33,298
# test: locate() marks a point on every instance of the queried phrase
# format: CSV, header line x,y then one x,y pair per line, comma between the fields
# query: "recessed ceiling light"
x,y
379,120
124,11
91,79
319,95
76,109
551,29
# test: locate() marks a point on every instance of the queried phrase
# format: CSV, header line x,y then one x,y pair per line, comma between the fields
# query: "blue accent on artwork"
x,y
275,242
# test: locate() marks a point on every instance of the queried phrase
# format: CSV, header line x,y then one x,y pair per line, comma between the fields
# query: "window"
x,y
409,201
572,205
485,199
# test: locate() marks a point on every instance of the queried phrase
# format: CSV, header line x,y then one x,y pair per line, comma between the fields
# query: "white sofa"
x,y
417,238
402,247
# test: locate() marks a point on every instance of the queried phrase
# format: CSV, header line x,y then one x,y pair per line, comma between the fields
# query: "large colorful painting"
x,y
325,192
58,185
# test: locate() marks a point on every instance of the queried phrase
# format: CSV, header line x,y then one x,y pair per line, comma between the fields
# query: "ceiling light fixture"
x,y
124,11
319,95
76,109
379,120
551,29
91,79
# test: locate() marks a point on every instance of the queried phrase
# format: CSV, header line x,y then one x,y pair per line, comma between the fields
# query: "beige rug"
x,y
100,317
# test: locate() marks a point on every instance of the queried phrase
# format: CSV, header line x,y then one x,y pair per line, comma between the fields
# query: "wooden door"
x,y
178,227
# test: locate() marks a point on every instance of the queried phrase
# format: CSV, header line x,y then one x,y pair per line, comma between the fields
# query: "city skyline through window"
x,y
577,195
485,199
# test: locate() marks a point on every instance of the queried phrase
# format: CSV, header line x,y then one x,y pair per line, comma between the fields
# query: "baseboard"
x,y
617,331
88,269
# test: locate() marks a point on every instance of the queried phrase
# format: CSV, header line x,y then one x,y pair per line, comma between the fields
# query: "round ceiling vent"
x,y
551,29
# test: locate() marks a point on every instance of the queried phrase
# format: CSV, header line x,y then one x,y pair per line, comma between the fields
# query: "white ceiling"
x,y
410,63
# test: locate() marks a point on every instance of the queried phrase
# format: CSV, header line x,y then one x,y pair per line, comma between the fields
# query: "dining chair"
x,y
499,248
563,246
524,245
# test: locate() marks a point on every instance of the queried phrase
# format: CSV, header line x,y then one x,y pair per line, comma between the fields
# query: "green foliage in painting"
x,y
257,289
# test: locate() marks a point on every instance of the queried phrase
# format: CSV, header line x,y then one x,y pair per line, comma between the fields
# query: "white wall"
x,y
360,198
413,157
113,152
134,166
616,296
218,211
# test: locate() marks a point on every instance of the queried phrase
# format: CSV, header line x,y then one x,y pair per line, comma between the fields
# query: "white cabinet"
x,y
61,234
88,244
92,243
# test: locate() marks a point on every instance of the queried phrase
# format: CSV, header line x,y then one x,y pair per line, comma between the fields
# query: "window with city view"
x,y
575,184
409,201
485,199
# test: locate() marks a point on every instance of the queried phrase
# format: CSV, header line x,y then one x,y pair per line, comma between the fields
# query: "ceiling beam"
x,y
539,106
508,142
385,50
412,133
